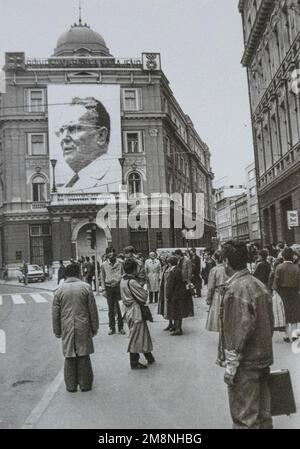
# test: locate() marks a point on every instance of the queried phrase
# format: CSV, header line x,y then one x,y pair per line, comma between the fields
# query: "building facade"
x,y
225,198
239,218
272,53
161,152
253,208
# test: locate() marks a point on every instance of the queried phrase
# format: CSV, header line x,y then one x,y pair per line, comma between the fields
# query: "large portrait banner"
x,y
85,137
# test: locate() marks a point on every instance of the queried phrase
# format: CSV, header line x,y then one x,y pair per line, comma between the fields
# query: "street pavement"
x,y
183,389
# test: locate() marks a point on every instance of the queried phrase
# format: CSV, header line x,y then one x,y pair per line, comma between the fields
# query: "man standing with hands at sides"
x,y
196,270
25,272
111,274
245,347
153,274
75,320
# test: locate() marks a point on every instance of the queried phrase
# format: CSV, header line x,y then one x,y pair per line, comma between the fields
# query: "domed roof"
x,y
80,40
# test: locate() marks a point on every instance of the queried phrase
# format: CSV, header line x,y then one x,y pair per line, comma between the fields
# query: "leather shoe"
x,y
175,333
111,332
169,328
122,332
139,366
84,390
151,361
72,391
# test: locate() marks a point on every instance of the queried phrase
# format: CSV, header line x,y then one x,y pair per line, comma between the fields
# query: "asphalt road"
x,y
31,360
184,389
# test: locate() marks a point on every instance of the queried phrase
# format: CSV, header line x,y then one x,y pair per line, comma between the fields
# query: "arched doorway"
x,y
81,239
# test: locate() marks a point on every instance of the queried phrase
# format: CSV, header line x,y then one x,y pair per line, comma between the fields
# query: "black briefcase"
x,y
282,396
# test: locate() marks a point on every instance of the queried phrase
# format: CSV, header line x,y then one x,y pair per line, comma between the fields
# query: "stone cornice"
x,y
21,118
17,217
241,5
142,116
257,30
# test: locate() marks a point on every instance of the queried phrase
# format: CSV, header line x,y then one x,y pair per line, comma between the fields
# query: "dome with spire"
x,y
80,40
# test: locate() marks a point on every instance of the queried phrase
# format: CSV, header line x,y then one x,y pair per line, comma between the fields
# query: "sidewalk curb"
x,y
19,284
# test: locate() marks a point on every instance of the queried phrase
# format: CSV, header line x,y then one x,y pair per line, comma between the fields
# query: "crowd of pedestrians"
x,y
250,294
170,281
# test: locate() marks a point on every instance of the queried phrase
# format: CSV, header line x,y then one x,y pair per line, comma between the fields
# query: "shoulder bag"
x,y
145,310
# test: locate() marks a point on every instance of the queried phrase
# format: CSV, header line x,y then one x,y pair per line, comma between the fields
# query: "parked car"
x,y
35,274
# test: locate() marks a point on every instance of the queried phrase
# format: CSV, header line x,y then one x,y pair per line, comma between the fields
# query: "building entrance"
x,y
83,243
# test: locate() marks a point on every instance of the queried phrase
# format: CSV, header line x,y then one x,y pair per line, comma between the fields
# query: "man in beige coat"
x,y
75,320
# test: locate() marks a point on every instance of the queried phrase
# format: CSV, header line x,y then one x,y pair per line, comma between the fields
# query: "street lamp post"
x,y
53,163
122,161
96,261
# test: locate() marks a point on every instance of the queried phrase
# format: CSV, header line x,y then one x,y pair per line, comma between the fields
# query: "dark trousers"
x,y
178,325
78,371
153,297
197,281
250,399
89,280
134,358
113,298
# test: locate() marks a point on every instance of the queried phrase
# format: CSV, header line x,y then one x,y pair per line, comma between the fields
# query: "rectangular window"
x,y
39,230
34,230
133,142
19,255
167,146
35,100
45,229
159,240
253,209
131,99
37,145
255,227
251,175
252,191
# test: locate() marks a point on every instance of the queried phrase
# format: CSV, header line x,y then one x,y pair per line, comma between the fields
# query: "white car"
x,y
35,274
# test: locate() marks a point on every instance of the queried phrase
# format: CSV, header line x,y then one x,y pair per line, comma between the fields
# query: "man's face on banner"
x,y
82,141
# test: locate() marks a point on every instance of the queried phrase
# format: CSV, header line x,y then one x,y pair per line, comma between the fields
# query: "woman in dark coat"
x,y
287,284
178,307
163,308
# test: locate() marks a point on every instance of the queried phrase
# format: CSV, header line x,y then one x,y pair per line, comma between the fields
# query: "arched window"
x,y
39,189
134,183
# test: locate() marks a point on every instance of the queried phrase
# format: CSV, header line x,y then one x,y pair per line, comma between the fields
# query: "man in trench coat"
x,y
75,320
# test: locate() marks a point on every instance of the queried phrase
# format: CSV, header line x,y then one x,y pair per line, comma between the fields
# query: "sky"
x,y
201,45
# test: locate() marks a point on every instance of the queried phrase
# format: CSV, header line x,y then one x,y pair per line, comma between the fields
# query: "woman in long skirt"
x,y
134,296
278,307
287,284
216,280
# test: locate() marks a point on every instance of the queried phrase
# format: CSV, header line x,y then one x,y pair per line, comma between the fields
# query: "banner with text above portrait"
x,y
84,138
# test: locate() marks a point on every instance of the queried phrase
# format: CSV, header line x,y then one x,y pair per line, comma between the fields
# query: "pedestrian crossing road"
x,y
26,298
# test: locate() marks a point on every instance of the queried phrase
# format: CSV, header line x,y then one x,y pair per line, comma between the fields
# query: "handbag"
x,y
282,396
145,310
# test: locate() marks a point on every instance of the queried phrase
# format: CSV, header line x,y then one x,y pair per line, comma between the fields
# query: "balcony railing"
x,y
58,199
281,166
39,205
